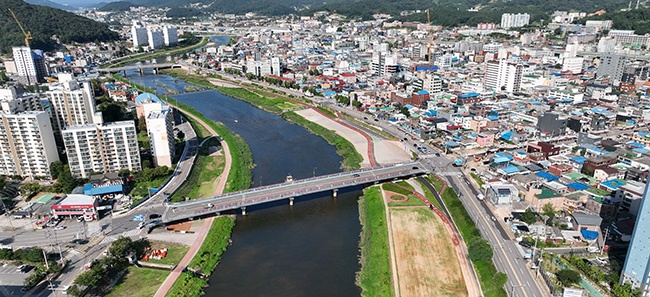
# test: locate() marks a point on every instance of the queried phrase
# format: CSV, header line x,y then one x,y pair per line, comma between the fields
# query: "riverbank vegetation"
x,y
180,49
374,279
204,176
351,158
491,280
206,259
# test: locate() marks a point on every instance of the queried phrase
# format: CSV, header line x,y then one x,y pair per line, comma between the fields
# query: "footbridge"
x,y
288,190
140,67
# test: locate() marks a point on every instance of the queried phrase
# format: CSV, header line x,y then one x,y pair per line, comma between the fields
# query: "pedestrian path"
x,y
447,173
109,239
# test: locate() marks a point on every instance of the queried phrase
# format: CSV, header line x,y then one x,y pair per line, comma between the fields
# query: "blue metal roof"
x,y
548,176
613,183
510,169
90,191
578,186
147,96
589,234
500,160
579,159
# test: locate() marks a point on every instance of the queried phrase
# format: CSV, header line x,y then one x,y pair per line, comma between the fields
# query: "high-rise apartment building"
x,y
511,20
275,66
612,66
636,270
161,136
102,148
72,103
504,76
156,39
377,64
139,34
25,65
170,35
27,146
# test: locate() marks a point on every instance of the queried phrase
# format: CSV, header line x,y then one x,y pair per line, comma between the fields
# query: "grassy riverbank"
x,y
206,259
284,107
492,281
158,54
374,279
203,178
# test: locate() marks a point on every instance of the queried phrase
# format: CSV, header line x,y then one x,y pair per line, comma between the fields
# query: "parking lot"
x,y
10,276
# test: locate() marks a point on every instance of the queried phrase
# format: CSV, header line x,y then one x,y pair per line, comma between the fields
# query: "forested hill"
x,y
45,22
635,19
454,12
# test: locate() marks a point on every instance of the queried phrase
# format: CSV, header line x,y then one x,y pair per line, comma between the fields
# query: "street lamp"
x,y
512,289
314,172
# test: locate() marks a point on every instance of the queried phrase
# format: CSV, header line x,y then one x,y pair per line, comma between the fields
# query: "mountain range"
x,y
45,23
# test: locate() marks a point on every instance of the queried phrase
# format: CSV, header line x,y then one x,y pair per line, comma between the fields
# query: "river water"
x,y
308,249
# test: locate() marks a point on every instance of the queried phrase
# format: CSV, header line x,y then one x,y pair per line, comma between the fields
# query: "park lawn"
x,y
412,201
175,252
374,279
427,261
437,184
140,188
139,282
207,169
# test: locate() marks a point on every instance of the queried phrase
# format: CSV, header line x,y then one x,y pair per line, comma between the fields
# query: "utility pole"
x,y
47,266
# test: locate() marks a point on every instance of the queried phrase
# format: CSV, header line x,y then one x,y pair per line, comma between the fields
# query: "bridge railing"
x,y
287,184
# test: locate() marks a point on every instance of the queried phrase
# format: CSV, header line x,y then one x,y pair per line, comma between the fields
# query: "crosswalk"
x,y
446,173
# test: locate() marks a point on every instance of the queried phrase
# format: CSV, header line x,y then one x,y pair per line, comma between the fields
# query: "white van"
x,y
480,197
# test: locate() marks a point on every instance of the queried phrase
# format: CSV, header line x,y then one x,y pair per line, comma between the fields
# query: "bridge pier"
x,y
141,71
124,73
155,71
335,192
291,201
243,210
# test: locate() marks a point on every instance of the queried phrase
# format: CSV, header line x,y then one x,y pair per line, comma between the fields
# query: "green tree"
x,y
74,291
66,181
528,217
549,210
625,290
142,125
480,250
122,247
55,169
568,277
181,135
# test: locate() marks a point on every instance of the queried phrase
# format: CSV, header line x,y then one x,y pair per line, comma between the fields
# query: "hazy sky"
x,y
83,3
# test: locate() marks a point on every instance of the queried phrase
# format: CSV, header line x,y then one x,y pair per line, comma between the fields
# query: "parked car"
x,y
525,244
141,225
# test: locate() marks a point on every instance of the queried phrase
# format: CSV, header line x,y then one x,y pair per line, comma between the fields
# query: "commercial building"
x,y
552,123
76,205
102,148
636,270
511,20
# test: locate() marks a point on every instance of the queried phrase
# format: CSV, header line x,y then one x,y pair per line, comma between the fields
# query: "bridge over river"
x,y
288,190
140,67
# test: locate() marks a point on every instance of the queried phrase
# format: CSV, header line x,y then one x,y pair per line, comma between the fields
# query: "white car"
x,y
141,225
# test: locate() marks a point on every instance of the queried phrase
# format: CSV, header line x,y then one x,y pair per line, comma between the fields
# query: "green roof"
x,y
547,193
44,199
598,192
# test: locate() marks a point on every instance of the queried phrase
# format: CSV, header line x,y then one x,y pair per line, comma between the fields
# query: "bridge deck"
x,y
206,206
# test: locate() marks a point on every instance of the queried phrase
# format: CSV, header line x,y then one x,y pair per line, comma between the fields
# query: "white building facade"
x,y
161,136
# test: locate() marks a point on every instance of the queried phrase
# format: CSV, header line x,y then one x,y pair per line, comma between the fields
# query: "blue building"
x,y
636,270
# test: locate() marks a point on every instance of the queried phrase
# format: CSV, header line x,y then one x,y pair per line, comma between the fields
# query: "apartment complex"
x,y
30,65
73,103
161,137
502,75
155,37
512,20
27,146
636,270
102,148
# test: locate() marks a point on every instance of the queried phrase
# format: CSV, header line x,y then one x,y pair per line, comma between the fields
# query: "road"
x,y
206,206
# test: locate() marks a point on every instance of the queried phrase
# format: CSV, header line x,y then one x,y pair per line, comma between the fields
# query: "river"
x,y
309,249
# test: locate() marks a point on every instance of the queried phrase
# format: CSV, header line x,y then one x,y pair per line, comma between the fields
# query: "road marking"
x,y
493,233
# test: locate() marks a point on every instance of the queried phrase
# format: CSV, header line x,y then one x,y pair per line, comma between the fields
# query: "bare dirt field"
x,y
427,261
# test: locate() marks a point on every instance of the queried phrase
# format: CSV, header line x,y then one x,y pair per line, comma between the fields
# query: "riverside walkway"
x,y
288,190
140,67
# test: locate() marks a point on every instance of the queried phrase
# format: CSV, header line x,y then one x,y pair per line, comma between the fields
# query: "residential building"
x,y
139,34
501,193
573,64
502,75
275,66
102,148
161,137
27,146
72,103
636,270
512,20
155,39
552,123
631,195
170,35
26,65
611,66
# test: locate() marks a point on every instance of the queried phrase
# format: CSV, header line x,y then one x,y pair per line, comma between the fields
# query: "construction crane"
x,y
28,34
430,45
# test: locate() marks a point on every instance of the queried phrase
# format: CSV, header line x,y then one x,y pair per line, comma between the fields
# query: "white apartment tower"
x,y
72,103
156,39
161,135
377,63
139,34
102,148
504,76
170,35
432,84
27,146
275,66
511,20
25,65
